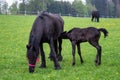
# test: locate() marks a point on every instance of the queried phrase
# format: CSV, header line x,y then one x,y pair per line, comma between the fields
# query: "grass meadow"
x,y
14,34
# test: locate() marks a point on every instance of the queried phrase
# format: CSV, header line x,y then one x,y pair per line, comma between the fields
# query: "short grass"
x,y
14,34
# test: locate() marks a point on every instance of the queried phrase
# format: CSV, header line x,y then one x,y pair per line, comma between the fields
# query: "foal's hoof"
x,y
73,64
57,68
82,62
42,66
97,63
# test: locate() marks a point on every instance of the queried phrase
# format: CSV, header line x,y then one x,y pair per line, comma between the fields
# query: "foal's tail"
x,y
104,31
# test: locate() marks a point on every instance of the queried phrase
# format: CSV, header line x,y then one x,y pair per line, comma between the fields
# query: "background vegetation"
x,y
107,8
14,34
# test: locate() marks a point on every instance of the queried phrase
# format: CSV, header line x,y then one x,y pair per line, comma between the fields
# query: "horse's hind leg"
x,y
43,64
79,52
73,52
98,56
53,54
92,18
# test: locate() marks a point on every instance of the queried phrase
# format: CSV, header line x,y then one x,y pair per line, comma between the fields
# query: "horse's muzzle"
x,y
31,69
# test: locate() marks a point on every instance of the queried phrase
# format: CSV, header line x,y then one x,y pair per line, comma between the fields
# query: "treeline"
x,y
107,8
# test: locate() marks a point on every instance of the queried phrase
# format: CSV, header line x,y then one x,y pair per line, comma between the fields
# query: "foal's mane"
x,y
73,29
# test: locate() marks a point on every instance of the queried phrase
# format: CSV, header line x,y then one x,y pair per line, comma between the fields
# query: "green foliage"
x,y
3,7
90,7
35,5
79,7
14,34
13,8
61,7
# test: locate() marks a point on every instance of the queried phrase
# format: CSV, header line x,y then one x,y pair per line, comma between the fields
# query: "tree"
x,y
79,7
106,8
0,7
61,7
101,6
89,7
111,8
13,8
117,7
22,7
4,8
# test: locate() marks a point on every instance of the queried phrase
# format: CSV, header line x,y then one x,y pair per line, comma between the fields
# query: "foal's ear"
x,y
64,32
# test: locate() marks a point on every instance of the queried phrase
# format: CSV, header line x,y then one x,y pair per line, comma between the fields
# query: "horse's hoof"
x,y
60,58
96,61
51,59
31,70
42,66
57,68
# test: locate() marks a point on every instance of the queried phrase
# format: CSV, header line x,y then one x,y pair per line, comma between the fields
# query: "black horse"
x,y
90,34
95,15
46,28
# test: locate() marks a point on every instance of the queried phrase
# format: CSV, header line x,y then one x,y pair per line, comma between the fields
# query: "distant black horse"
x,y
46,28
95,15
90,34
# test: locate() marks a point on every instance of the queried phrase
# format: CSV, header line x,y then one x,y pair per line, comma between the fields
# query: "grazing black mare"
x,y
90,34
46,28
95,16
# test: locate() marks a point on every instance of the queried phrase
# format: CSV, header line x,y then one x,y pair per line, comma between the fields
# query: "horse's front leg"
x,y
97,19
53,54
56,50
43,64
73,52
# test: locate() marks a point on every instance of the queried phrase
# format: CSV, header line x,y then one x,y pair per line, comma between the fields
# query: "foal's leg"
x,y
98,56
79,52
73,51
43,64
60,49
53,54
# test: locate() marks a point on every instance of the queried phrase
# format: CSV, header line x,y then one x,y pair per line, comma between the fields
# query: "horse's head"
x,y
32,55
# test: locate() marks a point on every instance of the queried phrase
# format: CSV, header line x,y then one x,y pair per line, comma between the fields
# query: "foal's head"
x,y
32,55
64,35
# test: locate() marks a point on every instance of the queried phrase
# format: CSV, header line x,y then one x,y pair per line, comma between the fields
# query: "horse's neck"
x,y
34,42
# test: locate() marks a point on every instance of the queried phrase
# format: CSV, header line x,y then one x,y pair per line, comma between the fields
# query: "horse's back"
x,y
46,26
83,33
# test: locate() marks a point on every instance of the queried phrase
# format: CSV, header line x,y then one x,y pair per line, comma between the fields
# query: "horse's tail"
x,y
104,31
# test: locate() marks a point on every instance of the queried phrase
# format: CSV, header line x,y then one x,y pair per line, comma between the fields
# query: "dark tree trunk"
x,y
117,7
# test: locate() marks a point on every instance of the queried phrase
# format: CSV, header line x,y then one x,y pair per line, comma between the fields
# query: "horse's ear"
x,y
41,17
28,46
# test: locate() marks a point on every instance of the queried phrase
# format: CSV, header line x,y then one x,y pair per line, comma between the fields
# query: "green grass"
x,y
14,34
